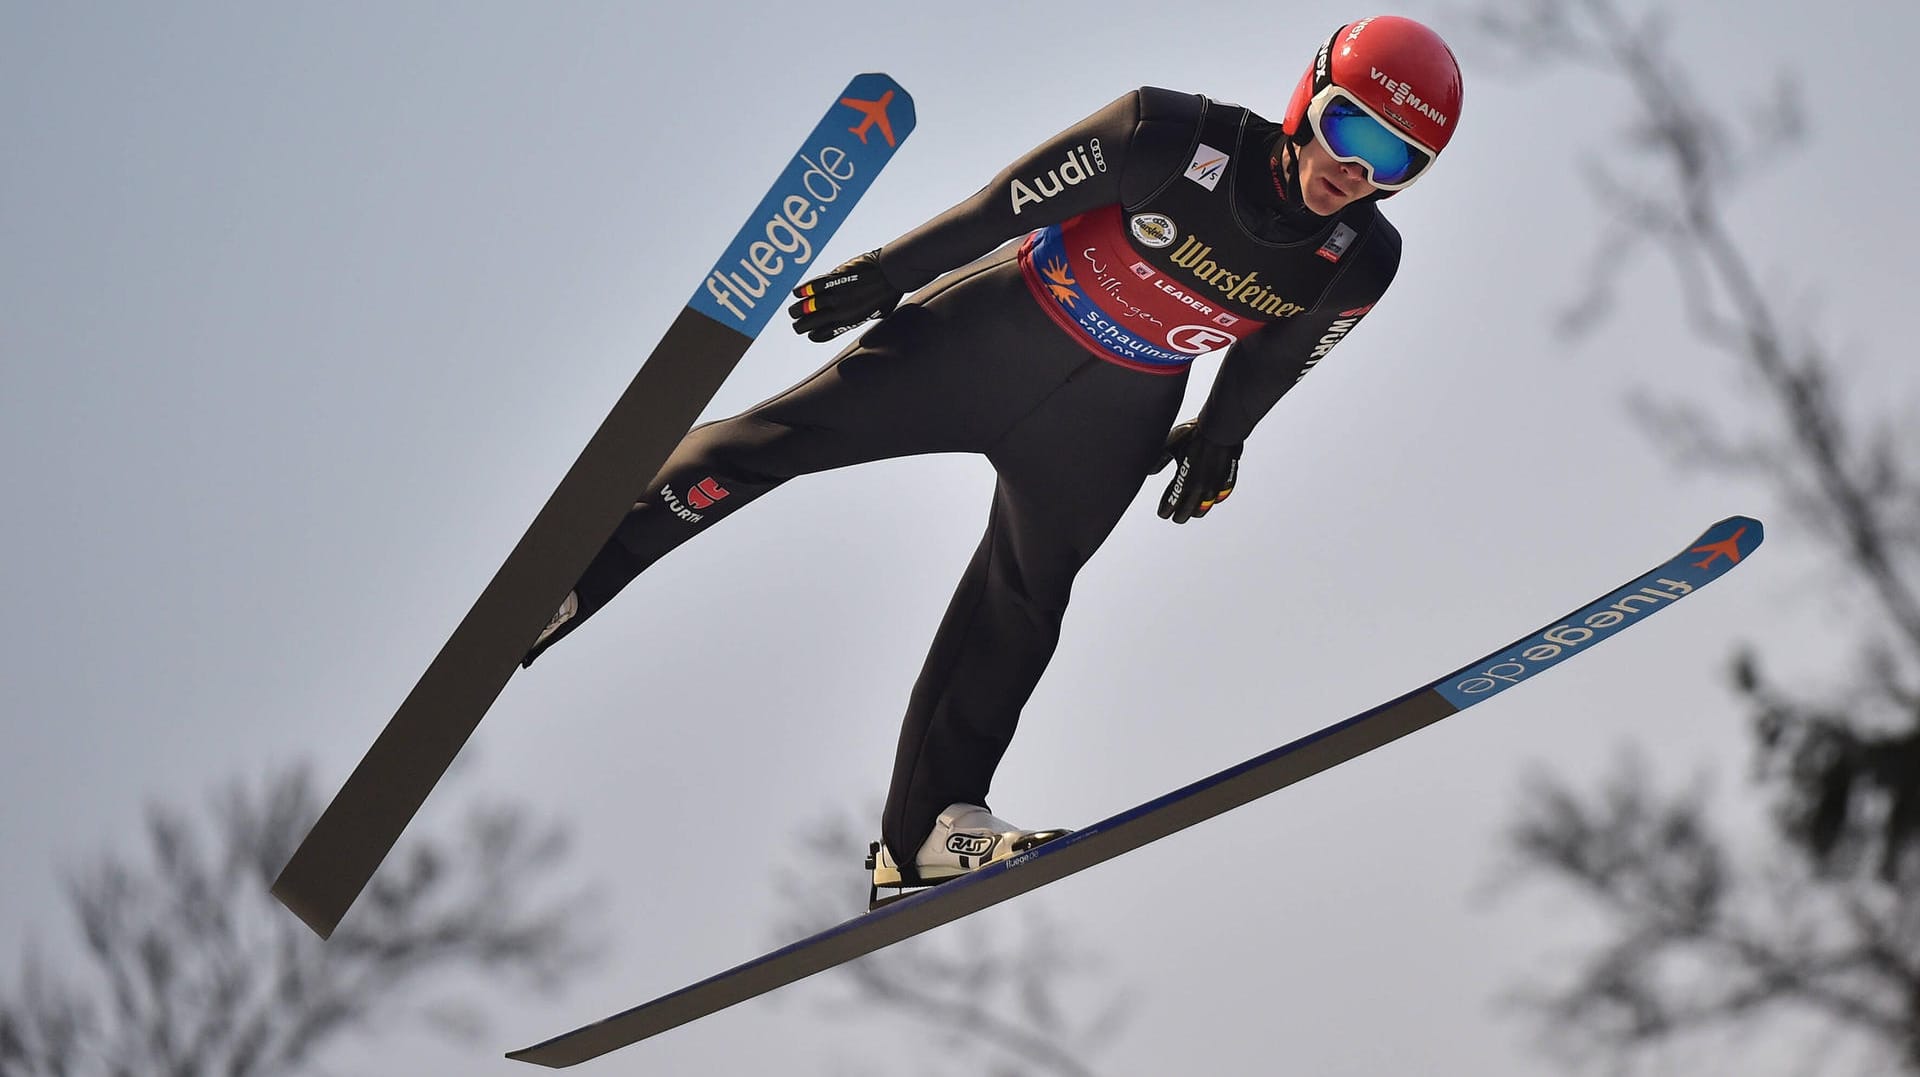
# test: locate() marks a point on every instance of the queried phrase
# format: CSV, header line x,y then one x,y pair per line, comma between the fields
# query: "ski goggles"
x,y
1351,132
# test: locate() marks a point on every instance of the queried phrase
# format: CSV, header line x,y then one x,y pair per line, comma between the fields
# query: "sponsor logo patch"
x,y
971,844
805,205
1728,548
1596,622
1156,230
1196,257
1060,282
678,507
1082,163
1198,339
1207,167
1142,315
1337,243
1335,334
1112,286
703,494
1405,97
1717,551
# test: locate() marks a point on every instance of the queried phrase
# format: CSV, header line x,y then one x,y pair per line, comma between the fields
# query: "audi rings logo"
x,y
1154,229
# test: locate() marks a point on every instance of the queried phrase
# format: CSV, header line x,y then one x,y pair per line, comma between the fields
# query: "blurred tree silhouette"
x,y
195,971
995,1005
1824,923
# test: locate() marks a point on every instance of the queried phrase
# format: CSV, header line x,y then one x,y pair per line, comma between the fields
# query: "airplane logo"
x,y
1728,548
875,112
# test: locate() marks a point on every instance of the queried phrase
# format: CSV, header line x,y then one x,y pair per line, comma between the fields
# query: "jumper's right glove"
x,y
1205,476
841,300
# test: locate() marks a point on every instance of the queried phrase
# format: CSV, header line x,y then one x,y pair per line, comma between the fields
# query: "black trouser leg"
x,y
924,380
1067,473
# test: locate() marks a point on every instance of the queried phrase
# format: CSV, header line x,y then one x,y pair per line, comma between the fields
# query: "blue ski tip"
x,y
836,164
1718,549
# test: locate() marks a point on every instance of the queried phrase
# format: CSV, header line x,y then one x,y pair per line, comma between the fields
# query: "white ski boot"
x,y
561,616
965,837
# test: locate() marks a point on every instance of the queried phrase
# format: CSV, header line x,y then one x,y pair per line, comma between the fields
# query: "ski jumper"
x,y
1154,232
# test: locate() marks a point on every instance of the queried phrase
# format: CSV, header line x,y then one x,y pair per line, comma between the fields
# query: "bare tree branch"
x,y
195,971
1695,946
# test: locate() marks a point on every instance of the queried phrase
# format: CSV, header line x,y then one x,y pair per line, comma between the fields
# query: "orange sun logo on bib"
x,y
1060,282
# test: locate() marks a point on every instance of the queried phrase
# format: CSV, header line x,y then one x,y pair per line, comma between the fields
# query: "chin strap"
x,y
1286,173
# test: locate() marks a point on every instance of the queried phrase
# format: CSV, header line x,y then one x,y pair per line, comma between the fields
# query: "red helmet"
x,y
1396,67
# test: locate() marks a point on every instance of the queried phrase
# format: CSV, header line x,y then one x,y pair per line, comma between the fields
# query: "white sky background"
x,y
303,311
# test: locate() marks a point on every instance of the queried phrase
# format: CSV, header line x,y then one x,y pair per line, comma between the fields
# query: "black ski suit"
x,y
1060,362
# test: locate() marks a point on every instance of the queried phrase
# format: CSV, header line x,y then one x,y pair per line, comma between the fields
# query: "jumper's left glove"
x,y
841,300
1205,476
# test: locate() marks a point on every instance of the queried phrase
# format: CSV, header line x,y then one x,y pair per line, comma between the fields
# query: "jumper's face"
x,y
1326,185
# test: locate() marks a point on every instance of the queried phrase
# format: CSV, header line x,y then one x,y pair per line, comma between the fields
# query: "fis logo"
x,y
1082,163
1207,167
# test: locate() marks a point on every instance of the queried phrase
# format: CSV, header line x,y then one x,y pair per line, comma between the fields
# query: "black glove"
x,y
841,300
1205,477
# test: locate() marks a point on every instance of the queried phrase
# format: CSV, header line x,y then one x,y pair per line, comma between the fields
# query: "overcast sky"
x,y
304,309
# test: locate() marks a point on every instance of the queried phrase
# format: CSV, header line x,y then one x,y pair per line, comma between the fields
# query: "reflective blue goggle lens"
x,y
1349,132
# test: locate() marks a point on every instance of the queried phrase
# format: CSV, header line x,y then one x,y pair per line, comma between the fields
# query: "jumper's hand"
x,y
831,305
1205,476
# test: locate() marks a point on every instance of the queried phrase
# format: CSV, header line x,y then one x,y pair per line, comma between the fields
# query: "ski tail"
x,y
1723,546
772,252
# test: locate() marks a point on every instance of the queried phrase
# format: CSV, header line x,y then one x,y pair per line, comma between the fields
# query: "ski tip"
x,y
530,1055
1736,522
879,99
880,80
316,915
1718,549
1733,539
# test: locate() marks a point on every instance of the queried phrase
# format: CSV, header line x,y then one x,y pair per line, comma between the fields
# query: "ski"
x,y
1724,545
772,251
